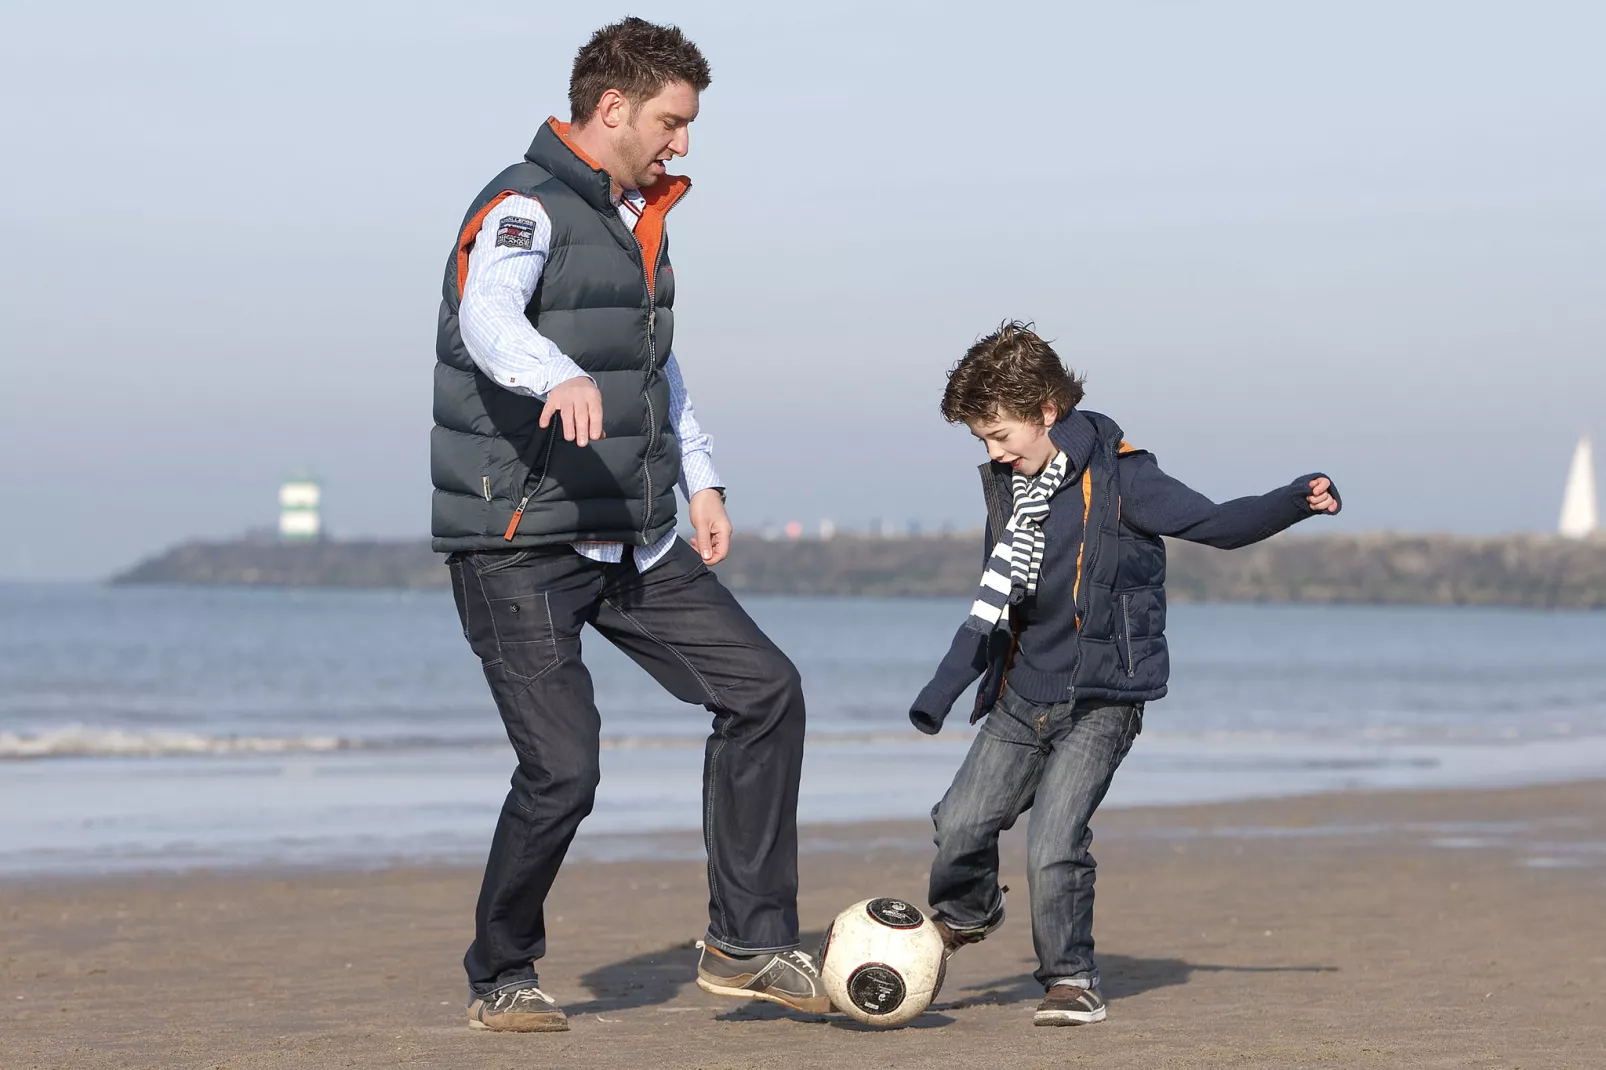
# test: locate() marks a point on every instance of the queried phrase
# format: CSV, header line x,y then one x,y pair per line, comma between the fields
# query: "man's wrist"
x,y
563,372
717,490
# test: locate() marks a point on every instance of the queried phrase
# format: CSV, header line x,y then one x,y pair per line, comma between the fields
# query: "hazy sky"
x,y
1366,237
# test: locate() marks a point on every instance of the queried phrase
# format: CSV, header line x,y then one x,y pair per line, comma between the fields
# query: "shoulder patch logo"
x,y
516,233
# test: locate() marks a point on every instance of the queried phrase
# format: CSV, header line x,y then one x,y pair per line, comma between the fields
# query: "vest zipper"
x,y
546,461
1092,562
1126,627
652,367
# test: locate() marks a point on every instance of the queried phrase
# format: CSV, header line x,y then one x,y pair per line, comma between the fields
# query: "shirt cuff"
x,y
697,474
562,370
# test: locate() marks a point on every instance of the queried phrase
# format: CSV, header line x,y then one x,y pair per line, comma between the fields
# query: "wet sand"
x,y
1427,929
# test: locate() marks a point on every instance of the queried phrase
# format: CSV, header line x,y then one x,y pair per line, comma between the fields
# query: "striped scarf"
x,y
1013,568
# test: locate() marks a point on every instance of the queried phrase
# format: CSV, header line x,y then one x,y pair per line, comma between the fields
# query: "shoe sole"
x,y
820,1005
559,1025
554,1022
1069,1017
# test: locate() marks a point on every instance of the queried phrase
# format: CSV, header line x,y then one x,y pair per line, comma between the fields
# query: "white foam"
x,y
81,741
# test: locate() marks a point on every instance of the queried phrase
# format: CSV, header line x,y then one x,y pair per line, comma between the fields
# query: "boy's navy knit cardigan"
x,y
1095,630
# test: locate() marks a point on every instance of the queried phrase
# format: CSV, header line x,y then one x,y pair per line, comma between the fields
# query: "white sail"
x,y
1579,515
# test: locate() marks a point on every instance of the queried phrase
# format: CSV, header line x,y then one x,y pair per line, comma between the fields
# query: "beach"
x,y
1455,928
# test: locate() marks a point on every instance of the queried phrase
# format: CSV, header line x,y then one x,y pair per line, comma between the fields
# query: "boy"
x,y
1067,631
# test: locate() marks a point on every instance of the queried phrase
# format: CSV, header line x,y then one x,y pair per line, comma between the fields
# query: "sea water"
x,y
178,727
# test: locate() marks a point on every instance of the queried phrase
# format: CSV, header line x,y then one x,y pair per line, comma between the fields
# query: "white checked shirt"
x,y
501,280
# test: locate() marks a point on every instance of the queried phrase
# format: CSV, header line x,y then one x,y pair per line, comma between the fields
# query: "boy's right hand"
x,y
1322,498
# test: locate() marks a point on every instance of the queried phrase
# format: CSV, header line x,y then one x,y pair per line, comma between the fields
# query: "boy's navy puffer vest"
x,y
1121,653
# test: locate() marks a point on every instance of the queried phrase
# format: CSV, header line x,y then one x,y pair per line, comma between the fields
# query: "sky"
x,y
1367,238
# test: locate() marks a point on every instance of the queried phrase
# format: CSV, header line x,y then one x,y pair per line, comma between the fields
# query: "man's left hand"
x,y
712,538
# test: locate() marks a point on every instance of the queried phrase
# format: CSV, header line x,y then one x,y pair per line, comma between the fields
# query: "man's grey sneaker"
x,y
1070,1005
954,938
789,978
517,1009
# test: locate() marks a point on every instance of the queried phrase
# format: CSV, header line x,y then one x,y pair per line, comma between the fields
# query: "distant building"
x,y
827,528
1580,516
298,510
794,530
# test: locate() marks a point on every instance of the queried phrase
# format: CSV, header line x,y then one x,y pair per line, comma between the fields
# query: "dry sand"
x,y
1448,929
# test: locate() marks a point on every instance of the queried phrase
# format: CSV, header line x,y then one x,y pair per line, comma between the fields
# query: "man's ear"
x,y
613,109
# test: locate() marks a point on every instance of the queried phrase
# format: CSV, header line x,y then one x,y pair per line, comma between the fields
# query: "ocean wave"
x,y
86,741
79,741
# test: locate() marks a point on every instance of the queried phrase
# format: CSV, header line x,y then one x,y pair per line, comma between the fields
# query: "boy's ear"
x,y
1051,415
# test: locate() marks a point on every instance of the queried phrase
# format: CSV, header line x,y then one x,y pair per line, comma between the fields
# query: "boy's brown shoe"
x,y
1070,1005
954,938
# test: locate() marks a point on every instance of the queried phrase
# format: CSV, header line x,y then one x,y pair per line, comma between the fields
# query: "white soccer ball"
x,y
882,962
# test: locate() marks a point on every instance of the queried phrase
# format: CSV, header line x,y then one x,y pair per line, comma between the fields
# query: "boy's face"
x,y
1024,445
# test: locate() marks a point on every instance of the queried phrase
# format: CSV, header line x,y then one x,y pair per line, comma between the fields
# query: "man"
x,y
562,427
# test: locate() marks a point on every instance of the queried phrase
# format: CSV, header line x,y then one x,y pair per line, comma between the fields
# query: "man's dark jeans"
x,y
522,612
1058,761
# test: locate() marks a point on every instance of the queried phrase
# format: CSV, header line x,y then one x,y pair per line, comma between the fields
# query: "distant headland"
x,y
1521,570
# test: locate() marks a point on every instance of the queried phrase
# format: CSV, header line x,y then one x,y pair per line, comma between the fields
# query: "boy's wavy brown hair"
x,y
1011,372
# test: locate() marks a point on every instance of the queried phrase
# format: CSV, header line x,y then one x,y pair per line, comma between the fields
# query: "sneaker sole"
x,y
818,1005
560,1025
556,1022
1069,1017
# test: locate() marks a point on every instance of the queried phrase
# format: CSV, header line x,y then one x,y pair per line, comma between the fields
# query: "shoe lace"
x,y
803,961
530,994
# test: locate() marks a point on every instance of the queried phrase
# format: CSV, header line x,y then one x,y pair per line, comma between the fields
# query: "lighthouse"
x,y
1580,517
298,510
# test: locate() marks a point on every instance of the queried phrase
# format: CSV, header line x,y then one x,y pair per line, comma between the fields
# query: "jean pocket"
x,y
490,562
525,636
1014,719
1129,736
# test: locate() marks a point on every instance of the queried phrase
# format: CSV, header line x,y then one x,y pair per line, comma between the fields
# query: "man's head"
x,y
632,95
1009,389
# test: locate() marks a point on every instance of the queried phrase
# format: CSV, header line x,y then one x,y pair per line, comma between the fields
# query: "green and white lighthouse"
x,y
298,510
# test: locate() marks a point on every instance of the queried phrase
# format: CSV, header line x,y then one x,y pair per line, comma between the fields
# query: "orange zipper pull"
x,y
518,514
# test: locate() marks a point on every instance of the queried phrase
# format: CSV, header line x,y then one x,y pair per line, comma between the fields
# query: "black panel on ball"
x,y
895,913
876,988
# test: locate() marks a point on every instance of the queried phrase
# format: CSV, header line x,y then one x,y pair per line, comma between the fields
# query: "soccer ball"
x,y
882,962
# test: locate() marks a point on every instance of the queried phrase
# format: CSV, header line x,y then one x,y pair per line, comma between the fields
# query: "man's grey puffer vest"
x,y
605,299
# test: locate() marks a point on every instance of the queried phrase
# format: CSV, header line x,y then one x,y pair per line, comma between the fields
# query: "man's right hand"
x,y
579,403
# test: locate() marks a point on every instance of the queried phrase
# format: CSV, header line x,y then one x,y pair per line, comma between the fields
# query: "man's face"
x,y
1024,445
653,133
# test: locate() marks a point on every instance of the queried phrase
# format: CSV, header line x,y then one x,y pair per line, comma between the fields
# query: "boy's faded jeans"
x,y
1056,761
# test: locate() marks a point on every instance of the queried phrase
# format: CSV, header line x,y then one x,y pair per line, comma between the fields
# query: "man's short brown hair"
x,y
636,57
1011,372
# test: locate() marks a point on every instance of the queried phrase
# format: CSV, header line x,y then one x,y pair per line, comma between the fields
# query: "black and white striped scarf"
x,y
1017,559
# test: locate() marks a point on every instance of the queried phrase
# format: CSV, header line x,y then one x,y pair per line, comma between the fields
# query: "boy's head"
x,y
1009,389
